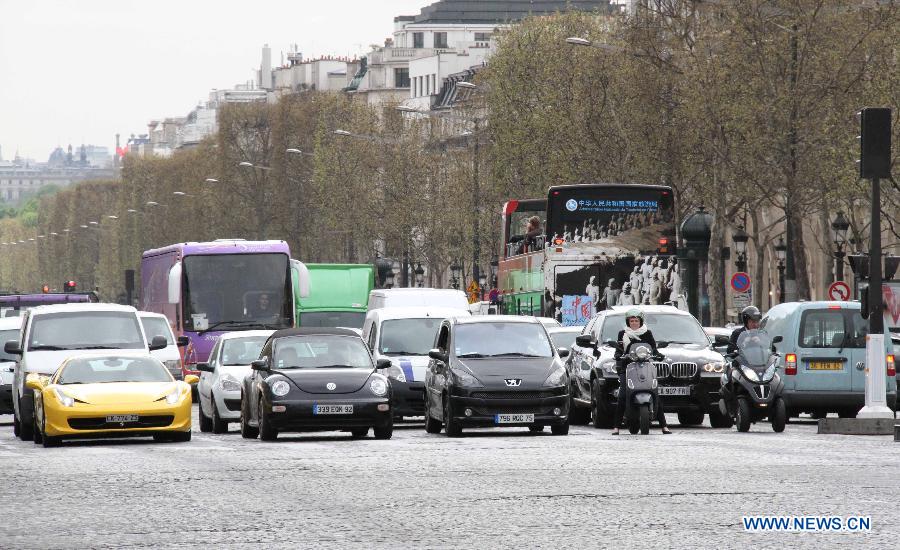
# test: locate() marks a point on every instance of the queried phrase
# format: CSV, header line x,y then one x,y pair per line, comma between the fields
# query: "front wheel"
x,y
247,431
383,433
690,418
561,429
432,426
601,419
205,421
218,425
719,420
577,415
743,415
266,431
451,425
644,419
26,429
779,415
48,440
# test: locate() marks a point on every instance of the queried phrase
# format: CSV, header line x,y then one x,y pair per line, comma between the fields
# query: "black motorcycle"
x,y
641,389
752,389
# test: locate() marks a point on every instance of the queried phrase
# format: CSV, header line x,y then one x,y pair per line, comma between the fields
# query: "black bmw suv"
x,y
488,371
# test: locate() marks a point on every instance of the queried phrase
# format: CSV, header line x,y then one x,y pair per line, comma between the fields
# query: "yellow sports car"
x,y
111,396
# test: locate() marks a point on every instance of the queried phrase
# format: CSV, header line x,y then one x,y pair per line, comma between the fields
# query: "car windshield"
x,y
564,339
85,330
321,351
755,347
6,336
102,370
501,339
157,326
408,336
666,327
242,351
351,319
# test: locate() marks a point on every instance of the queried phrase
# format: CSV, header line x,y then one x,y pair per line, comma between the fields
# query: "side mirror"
x,y
662,344
192,379
382,364
158,342
437,355
301,272
563,352
13,348
204,367
610,343
260,365
778,339
33,382
183,341
585,341
174,283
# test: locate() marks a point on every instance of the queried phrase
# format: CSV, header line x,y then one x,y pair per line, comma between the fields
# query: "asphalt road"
x,y
489,489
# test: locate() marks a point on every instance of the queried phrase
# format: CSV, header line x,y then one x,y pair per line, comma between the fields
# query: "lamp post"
x,y
839,228
420,275
455,273
781,254
395,271
740,238
495,264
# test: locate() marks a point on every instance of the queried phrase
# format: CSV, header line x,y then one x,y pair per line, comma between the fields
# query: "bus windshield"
x,y
233,291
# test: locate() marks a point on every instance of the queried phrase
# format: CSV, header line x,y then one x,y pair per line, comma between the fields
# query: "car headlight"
x,y
714,366
465,379
750,374
280,388
174,395
66,400
173,365
770,373
556,378
378,386
229,383
396,373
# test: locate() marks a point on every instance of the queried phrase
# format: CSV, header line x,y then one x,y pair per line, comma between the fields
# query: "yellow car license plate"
x,y
826,365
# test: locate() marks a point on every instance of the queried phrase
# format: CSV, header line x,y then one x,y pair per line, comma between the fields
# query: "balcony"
x,y
399,55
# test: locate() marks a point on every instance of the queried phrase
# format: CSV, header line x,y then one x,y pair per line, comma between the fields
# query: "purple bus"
x,y
205,289
12,305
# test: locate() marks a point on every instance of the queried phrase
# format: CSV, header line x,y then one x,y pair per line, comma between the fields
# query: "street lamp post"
x,y
455,273
420,275
495,264
740,239
781,255
839,228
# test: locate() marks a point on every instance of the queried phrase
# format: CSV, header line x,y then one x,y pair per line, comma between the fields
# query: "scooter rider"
x,y
750,317
635,331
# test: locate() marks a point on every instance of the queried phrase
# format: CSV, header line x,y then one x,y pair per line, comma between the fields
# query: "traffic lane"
x,y
501,487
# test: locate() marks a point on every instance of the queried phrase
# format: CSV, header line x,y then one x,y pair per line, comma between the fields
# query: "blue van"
x,y
823,357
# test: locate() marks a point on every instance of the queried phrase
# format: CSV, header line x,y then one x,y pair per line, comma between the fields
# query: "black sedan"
x,y
315,379
495,371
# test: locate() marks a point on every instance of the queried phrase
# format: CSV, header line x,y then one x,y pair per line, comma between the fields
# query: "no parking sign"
x,y
839,291
740,282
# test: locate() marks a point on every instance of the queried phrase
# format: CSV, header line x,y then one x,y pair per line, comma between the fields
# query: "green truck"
x,y
338,295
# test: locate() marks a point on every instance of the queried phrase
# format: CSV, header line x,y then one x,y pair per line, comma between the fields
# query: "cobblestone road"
x,y
491,488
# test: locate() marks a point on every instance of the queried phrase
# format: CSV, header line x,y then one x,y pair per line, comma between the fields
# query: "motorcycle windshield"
x,y
755,347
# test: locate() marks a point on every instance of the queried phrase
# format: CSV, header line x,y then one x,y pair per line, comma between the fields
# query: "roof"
x,y
496,319
73,308
416,312
816,304
245,334
502,11
149,314
554,330
312,331
221,246
414,290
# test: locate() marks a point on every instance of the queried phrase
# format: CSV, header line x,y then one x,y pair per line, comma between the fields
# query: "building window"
x,y
440,40
418,40
482,37
401,78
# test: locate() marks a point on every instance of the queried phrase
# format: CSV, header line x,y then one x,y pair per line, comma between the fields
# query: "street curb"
x,y
857,426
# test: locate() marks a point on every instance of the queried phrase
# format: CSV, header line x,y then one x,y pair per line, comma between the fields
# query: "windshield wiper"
x,y
403,352
514,354
45,347
336,367
97,347
236,323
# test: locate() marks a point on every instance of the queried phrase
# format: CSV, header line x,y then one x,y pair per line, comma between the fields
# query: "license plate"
x,y
332,409
120,418
513,418
826,365
678,390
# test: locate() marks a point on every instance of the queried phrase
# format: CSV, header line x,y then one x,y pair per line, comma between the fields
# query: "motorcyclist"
x,y
750,318
635,331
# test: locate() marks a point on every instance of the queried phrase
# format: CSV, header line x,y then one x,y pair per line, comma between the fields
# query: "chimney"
x,y
265,69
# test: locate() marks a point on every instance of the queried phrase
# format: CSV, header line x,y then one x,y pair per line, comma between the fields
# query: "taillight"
x,y
891,369
790,364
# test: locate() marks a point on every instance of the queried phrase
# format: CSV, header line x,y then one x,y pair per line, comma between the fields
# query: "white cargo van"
x,y
418,297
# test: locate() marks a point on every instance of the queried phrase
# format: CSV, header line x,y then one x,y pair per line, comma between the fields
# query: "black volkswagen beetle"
x,y
495,370
315,379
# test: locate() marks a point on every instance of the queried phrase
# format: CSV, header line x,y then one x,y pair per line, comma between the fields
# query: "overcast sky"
x,y
74,71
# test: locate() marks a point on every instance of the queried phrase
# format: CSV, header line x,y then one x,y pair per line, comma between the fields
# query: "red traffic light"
x,y
69,286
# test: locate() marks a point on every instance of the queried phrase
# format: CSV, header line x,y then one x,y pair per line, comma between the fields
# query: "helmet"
x,y
750,313
634,312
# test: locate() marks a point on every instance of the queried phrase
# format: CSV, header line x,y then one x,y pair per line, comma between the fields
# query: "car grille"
x,y
233,405
676,370
99,423
511,394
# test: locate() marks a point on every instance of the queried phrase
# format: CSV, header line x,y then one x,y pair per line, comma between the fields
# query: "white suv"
x,y
51,334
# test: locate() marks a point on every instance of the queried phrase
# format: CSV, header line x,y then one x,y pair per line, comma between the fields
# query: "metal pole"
x,y
839,264
790,268
876,399
476,191
781,282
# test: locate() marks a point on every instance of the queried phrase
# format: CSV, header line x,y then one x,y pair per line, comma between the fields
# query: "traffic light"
x,y
874,142
69,286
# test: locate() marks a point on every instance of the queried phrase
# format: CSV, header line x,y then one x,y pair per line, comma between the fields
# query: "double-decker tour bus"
x,y
600,245
205,289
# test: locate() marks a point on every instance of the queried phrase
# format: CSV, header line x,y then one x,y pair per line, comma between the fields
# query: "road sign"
x,y
839,291
740,282
741,300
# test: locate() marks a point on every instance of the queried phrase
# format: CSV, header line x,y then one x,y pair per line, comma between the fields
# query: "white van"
x,y
157,324
418,297
9,330
52,334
